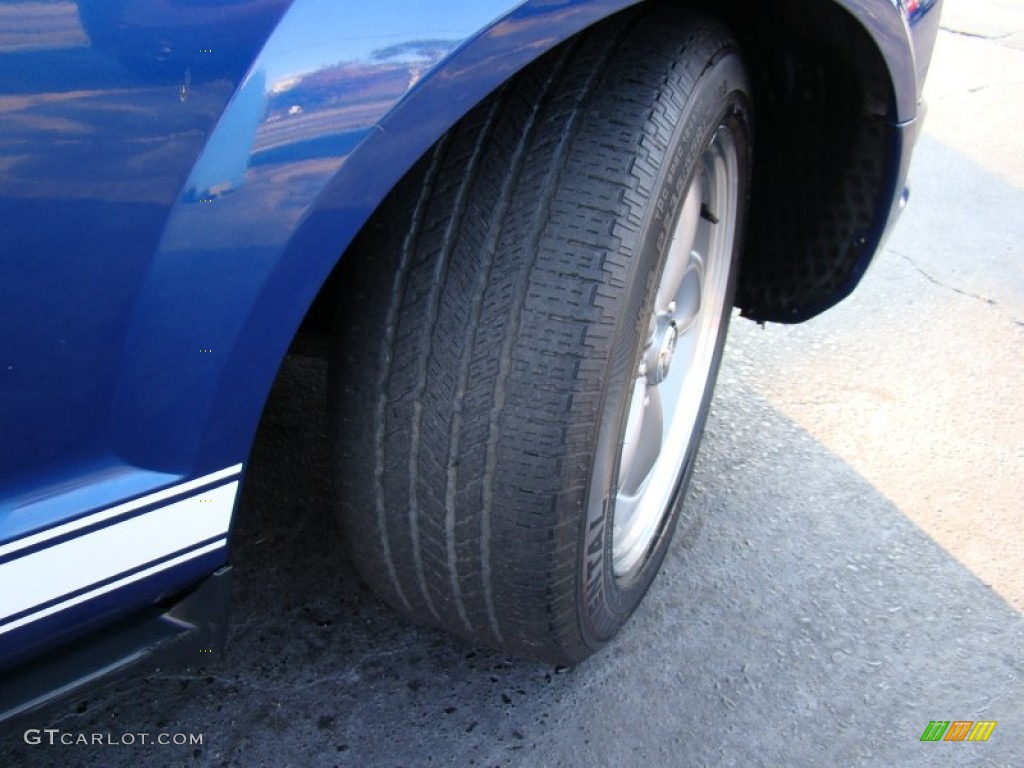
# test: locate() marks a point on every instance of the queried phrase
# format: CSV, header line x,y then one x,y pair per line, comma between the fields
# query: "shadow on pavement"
x,y
800,619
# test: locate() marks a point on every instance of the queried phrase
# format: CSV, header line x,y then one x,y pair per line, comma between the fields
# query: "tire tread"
x,y
505,255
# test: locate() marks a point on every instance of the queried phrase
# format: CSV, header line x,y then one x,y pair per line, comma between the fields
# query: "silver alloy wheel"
x,y
675,367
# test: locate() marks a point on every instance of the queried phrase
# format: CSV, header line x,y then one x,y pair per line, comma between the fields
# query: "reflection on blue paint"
x,y
226,155
317,34
915,9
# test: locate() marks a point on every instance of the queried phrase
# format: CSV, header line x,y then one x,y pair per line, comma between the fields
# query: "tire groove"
x,y
455,428
384,374
488,252
440,274
522,284
498,402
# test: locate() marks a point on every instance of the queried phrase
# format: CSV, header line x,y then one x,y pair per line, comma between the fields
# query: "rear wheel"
x,y
528,341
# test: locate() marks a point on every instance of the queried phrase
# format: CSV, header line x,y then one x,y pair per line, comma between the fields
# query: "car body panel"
x,y
163,268
178,179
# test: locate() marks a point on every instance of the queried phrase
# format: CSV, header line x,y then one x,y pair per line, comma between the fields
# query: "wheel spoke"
x,y
634,427
690,296
681,246
648,444
625,511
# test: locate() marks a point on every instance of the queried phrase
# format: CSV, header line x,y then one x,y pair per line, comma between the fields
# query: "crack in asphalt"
x,y
977,35
986,86
969,294
977,89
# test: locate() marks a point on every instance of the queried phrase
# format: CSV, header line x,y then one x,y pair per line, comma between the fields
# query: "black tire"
x,y
494,313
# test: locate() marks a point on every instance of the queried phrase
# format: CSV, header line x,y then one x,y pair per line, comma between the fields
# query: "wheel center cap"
x,y
664,350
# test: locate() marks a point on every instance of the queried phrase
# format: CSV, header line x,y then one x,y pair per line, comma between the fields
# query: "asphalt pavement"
x,y
850,565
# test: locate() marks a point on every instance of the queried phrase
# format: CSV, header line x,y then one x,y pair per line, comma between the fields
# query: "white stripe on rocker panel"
x,y
71,565
120,509
137,576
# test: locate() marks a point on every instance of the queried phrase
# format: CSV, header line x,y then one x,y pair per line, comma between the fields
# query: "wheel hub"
x,y
659,357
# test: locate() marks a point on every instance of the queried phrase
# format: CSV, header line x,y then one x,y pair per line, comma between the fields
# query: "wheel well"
x,y
823,105
823,108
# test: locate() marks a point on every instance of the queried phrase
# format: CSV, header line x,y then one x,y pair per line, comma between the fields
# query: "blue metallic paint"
x,y
166,204
242,286
177,180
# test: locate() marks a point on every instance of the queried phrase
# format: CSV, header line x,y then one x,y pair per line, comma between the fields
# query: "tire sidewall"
x,y
719,98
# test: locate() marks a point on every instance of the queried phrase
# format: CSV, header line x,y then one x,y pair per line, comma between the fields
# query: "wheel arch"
x,y
835,84
808,263
268,209
269,245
